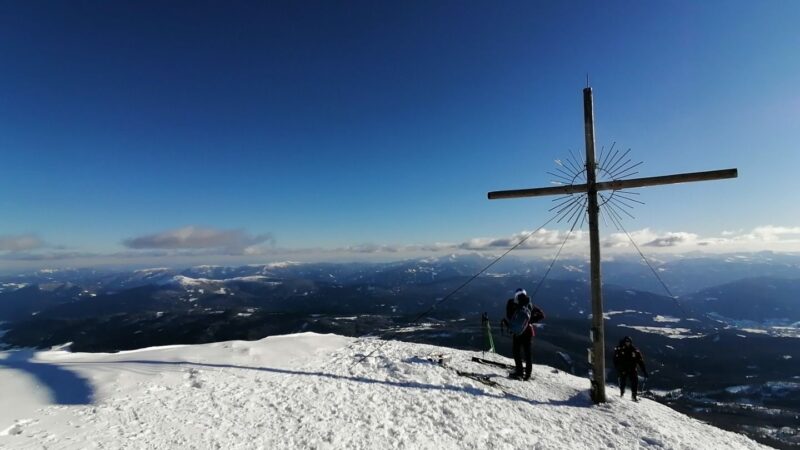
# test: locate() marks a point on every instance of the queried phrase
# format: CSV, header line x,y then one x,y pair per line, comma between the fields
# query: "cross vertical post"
x,y
597,332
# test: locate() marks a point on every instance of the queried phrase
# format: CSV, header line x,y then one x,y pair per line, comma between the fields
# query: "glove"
x,y
644,374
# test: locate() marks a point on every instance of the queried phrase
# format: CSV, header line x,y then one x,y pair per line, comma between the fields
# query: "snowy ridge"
x,y
189,282
277,265
153,270
304,391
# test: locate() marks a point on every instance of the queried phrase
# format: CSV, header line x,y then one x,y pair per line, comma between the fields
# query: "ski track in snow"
x,y
306,391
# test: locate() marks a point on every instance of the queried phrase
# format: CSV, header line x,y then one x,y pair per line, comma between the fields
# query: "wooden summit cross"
x,y
591,188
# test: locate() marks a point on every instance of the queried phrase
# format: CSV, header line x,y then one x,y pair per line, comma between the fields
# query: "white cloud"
x,y
542,238
437,247
20,242
768,237
770,233
765,237
45,256
195,245
621,240
672,240
197,238
374,248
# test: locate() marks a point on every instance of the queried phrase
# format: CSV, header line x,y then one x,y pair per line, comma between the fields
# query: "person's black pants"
x,y
521,346
631,376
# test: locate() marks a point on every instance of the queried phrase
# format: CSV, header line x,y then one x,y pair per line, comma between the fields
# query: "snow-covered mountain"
x,y
309,391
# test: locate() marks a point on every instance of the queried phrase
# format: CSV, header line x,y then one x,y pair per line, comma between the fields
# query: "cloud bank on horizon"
x,y
198,238
192,244
19,243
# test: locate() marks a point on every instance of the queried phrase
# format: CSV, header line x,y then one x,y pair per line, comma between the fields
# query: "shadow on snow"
x,y
580,399
66,387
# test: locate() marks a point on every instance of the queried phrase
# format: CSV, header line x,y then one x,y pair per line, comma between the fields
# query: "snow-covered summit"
x,y
189,282
307,391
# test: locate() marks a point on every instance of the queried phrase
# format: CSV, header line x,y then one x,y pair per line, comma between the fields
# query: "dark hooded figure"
x,y
627,359
520,310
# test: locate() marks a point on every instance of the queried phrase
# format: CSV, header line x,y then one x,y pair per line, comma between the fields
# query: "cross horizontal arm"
x,y
616,184
539,192
667,179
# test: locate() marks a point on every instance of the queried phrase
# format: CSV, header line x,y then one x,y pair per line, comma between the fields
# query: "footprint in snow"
x,y
652,441
17,428
191,377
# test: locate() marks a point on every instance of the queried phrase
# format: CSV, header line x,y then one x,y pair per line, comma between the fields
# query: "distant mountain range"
x,y
758,287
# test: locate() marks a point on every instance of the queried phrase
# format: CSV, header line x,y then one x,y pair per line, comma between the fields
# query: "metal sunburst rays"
x,y
612,165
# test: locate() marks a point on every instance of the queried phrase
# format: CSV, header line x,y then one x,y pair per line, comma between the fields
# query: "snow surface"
x,y
660,318
308,391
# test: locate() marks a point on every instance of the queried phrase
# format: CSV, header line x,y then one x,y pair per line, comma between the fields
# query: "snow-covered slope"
x,y
306,391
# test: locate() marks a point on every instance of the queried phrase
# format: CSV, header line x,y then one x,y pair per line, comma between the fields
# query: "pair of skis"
x,y
486,379
482,378
489,362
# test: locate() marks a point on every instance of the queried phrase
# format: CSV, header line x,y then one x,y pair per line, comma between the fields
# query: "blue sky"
x,y
147,131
